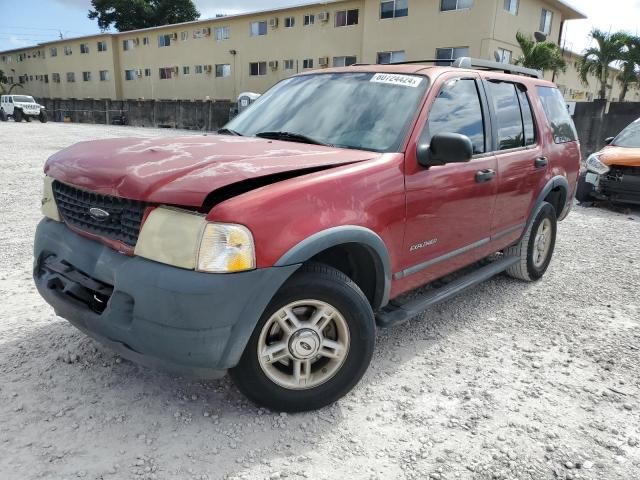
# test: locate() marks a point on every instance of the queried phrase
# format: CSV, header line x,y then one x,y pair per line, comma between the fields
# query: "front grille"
x,y
122,223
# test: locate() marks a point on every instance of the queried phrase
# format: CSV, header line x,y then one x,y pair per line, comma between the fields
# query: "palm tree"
x,y
629,75
540,55
596,60
5,87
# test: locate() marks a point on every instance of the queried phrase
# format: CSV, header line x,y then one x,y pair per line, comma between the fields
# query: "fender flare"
x,y
555,182
335,236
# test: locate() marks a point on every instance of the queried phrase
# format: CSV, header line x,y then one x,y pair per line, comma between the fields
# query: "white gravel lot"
x,y
507,381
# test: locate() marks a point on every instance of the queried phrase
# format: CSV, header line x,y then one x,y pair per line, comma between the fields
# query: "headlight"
x,y
594,164
185,239
226,248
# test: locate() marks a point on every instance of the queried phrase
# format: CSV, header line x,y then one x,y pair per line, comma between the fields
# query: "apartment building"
x,y
222,57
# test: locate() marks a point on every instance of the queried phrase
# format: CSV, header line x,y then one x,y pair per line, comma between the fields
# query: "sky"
x,y
28,22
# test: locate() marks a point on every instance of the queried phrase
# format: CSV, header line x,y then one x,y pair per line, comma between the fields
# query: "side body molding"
x,y
345,234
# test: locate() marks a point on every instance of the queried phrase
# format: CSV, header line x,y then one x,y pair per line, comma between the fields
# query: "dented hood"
x,y
184,170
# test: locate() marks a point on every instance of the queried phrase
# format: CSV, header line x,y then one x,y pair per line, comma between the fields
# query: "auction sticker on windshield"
x,y
397,79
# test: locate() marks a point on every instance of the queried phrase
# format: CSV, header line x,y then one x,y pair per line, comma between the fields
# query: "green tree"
x,y
629,75
540,55
127,15
7,87
597,60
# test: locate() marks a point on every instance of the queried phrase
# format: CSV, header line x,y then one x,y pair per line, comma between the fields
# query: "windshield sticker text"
x,y
396,79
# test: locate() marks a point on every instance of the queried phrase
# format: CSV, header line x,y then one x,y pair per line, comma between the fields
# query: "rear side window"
x,y
555,109
506,106
527,118
457,109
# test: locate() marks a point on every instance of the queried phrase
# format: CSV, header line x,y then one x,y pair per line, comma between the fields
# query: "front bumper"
x,y
620,184
160,316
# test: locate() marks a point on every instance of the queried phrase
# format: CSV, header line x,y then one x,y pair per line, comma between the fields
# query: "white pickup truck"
x,y
21,107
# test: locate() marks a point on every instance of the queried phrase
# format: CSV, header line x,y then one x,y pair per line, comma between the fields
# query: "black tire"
x,y
526,269
584,189
3,116
323,283
43,116
27,118
17,115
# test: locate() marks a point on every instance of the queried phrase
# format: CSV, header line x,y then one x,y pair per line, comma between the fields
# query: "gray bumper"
x,y
157,315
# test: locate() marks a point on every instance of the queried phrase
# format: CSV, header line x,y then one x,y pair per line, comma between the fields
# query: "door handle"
x,y
485,175
541,162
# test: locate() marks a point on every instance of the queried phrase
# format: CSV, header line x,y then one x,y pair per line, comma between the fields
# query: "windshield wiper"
x,y
290,136
228,131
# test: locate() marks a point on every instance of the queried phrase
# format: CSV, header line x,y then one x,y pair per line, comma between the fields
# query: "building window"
x,y
289,22
307,63
546,19
450,54
257,29
344,61
71,77
288,64
129,74
223,70
84,48
55,78
345,18
102,46
504,56
86,76
511,6
186,70
68,51
104,75
146,41
147,72
165,73
391,57
184,36
199,69
394,8
221,33
309,19
447,5
164,41
127,44
257,68
53,51
46,78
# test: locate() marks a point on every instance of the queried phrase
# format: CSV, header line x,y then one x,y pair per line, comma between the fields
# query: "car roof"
x,y
433,71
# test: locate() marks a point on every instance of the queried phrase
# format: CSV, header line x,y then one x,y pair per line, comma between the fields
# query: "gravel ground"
x,y
507,381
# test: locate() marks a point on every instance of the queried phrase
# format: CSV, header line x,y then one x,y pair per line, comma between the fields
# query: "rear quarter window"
x,y
555,109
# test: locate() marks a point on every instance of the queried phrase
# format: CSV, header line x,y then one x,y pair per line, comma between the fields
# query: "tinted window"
x,y
555,110
457,109
527,118
507,109
629,137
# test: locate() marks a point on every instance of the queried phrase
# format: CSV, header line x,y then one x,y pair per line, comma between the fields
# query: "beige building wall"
x,y
483,28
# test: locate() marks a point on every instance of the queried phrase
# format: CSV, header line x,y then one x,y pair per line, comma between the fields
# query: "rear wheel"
x,y
17,115
536,247
3,116
311,346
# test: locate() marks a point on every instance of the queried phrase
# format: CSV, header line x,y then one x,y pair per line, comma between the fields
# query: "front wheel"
x,y
17,115
43,116
536,247
312,345
584,189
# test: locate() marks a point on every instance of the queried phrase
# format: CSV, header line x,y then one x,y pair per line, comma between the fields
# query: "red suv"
x,y
274,249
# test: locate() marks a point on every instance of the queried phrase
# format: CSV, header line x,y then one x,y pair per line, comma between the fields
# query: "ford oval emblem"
x,y
99,214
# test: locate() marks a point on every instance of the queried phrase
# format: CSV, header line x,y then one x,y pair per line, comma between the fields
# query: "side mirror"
x,y
445,148
608,140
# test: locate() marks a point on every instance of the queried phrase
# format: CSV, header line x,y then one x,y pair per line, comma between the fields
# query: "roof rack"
x,y
476,63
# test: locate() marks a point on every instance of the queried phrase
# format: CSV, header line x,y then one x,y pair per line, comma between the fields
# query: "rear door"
x,y
521,161
449,207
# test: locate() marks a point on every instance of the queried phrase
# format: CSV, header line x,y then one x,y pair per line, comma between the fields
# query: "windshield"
x,y
23,99
367,111
629,137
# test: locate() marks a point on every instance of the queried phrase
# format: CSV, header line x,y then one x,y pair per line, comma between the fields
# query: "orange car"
x,y
613,173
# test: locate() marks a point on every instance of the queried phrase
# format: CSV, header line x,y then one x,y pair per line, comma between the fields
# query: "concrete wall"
x,y
191,115
598,120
